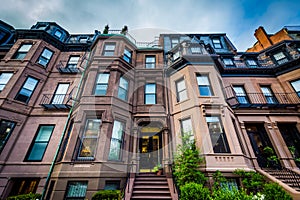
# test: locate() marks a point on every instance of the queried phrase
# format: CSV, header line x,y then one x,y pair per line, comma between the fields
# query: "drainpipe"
x,y
64,130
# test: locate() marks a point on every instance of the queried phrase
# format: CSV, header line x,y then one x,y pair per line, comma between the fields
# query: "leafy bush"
x,y
107,195
226,194
252,181
218,179
29,196
275,191
194,191
187,162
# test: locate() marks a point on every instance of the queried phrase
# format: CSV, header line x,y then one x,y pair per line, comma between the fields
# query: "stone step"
x,y
151,182
158,187
138,197
153,192
151,178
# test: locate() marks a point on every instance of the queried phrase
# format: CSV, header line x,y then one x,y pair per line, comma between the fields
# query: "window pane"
x,y
88,147
123,83
182,95
58,33
150,88
47,53
103,78
279,56
76,190
181,85
37,151
30,83
296,85
44,133
6,128
150,99
266,91
4,78
227,61
239,90
218,138
186,125
110,47
202,80
205,91
115,149
117,130
25,47
150,59
122,94
101,90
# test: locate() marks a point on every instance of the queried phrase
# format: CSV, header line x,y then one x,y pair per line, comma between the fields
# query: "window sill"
x,y
183,101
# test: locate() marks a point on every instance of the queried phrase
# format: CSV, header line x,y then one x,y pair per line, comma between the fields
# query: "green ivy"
x,y
252,181
226,194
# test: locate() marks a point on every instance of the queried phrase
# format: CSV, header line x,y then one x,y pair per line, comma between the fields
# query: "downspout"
x,y
64,130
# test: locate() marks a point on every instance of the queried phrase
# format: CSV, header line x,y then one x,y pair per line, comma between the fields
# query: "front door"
x,y
259,141
150,151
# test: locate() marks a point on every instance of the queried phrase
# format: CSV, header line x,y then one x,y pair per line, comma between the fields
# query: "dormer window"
x,y
251,63
280,58
174,42
217,43
58,34
228,62
83,39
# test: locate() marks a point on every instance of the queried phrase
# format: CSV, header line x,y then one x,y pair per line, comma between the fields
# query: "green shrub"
x,y
226,194
252,181
107,195
275,191
218,179
29,196
194,191
187,163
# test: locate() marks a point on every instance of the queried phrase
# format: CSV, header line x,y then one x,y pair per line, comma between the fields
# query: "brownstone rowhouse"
x,y
86,112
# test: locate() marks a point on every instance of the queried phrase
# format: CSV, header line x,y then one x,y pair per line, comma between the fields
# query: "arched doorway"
x,y
150,146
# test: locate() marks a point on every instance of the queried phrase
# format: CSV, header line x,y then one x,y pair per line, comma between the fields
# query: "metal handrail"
x,y
291,98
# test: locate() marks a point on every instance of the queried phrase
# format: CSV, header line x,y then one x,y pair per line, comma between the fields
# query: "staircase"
x,y
150,186
286,176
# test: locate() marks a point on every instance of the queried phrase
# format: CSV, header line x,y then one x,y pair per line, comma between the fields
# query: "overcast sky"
x,y
146,18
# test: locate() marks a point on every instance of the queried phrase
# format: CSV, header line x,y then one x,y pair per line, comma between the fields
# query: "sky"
x,y
148,18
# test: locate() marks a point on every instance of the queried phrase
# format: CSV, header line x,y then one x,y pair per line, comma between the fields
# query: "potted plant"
x,y
158,169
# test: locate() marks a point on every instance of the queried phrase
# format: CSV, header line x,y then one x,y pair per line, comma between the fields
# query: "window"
x,y
27,90
251,63
6,128
112,185
4,78
228,62
123,89
45,57
60,93
150,62
40,143
109,49
187,129
101,84
218,138
23,186
116,141
295,85
181,90
174,42
73,61
240,94
204,85
196,49
267,92
280,58
217,43
21,53
150,93
58,34
89,139
83,39
127,55
76,190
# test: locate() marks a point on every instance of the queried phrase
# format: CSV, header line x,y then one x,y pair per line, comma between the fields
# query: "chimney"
x,y
262,37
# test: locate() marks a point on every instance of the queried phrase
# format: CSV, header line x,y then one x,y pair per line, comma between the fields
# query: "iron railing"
x,y
56,101
237,100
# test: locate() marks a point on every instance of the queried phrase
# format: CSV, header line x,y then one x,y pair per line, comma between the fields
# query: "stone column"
x,y
166,153
135,155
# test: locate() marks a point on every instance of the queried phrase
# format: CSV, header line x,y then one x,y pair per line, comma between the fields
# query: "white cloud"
x,y
205,16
